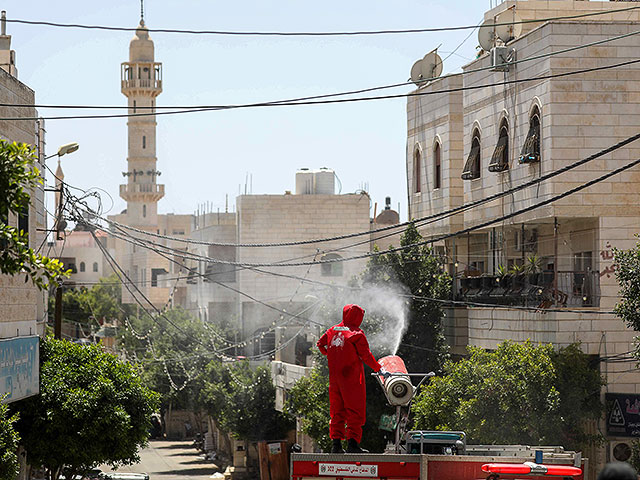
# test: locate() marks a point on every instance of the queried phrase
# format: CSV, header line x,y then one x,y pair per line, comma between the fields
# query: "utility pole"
x,y
57,329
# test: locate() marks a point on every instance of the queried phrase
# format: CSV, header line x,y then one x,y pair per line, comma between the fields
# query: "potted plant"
x,y
517,273
503,277
533,267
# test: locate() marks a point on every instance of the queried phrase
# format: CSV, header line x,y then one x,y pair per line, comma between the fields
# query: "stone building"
x,y
257,297
506,128
22,305
141,83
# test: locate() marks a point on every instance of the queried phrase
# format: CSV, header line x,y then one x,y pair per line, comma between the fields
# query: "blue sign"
x,y
19,368
623,414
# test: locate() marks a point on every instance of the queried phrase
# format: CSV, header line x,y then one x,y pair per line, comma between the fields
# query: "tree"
x,y
92,409
420,274
515,394
18,175
627,266
9,439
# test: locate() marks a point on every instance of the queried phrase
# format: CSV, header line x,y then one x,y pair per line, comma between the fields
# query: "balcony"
x,y
142,192
141,84
573,289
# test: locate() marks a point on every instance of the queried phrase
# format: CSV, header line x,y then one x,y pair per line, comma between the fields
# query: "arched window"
x,y
82,266
530,152
417,171
134,106
472,166
437,167
95,266
144,141
331,269
500,157
144,211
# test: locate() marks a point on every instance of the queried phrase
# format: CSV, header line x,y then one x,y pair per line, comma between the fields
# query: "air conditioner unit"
x,y
526,241
501,57
619,451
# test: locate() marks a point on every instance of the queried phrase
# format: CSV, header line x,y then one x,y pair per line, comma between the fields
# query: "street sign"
x,y
623,414
19,368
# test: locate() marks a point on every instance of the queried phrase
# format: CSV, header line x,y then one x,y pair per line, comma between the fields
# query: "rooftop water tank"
x,y
325,181
304,182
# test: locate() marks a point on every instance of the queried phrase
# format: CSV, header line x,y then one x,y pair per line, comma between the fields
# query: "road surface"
x,y
170,460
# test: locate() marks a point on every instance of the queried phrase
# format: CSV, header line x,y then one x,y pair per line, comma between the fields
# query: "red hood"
x,y
352,316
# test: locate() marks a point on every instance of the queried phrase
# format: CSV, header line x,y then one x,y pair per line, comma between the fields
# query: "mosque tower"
x,y
141,80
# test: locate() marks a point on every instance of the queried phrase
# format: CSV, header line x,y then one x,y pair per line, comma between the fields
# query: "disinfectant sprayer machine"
x,y
399,391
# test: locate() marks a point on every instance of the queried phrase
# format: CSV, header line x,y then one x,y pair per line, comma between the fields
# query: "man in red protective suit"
x,y
346,347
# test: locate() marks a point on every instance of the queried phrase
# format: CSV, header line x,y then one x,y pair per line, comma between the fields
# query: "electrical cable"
x,y
314,34
417,222
334,101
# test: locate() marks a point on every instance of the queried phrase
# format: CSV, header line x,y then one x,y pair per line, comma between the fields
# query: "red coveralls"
x,y
346,347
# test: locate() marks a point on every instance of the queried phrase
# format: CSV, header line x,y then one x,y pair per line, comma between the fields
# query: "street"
x,y
170,460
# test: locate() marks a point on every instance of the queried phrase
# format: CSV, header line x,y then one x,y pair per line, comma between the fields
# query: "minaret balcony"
x,y
143,84
139,192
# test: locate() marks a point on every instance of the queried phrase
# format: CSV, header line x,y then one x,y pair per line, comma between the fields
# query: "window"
x,y
23,219
437,167
144,211
134,106
221,272
500,157
144,141
331,269
82,267
416,170
471,168
95,266
531,149
154,275
266,341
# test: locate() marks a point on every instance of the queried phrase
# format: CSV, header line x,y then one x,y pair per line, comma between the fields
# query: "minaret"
x,y
141,80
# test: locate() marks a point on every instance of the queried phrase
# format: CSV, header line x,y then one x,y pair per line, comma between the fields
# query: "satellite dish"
x,y
508,32
431,65
487,35
416,73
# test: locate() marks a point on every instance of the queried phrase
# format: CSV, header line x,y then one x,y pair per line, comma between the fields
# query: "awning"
x,y
531,149
500,161
470,170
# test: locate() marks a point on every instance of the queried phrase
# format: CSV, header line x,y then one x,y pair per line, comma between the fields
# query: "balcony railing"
x,y
573,289
142,83
142,188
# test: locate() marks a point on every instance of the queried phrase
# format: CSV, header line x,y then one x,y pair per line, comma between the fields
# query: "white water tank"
x,y
324,181
304,182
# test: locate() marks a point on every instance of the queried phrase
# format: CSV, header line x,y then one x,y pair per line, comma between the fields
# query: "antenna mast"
x,y
141,11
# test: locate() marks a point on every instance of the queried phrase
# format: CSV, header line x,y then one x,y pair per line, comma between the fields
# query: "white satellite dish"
x,y
431,65
416,73
513,30
487,35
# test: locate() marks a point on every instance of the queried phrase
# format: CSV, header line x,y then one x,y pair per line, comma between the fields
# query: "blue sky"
x,y
204,156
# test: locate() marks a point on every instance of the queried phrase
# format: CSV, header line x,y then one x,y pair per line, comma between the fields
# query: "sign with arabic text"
x,y
19,368
347,470
623,414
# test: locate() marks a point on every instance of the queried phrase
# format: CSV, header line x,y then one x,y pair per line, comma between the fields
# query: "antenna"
x,y
431,64
511,31
487,35
426,68
142,11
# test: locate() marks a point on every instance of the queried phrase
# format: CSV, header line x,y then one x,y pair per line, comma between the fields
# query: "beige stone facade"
x,y
22,306
573,237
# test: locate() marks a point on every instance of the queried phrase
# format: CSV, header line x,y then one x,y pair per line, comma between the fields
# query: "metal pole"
x,y
555,260
57,329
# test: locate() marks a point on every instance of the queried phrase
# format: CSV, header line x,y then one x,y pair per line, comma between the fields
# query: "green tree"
x,y
18,176
519,393
92,409
9,439
420,273
627,266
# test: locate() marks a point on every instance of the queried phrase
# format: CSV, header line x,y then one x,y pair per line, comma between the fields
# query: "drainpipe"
x,y
555,260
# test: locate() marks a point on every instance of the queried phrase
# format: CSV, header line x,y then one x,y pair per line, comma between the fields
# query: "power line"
x,y
418,222
329,95
310,34
329,102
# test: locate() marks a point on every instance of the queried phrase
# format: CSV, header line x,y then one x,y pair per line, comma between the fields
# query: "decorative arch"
x,y
417,168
